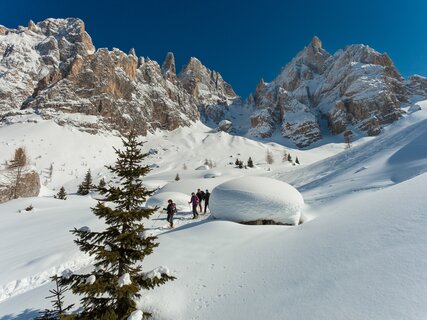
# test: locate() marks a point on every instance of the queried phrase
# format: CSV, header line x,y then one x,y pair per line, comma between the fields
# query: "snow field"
x,y
362,257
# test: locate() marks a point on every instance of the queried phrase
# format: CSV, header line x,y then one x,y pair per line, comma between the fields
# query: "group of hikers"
x,y
196,205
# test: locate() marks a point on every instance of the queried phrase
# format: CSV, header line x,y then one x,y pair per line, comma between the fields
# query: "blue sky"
x,y
243,40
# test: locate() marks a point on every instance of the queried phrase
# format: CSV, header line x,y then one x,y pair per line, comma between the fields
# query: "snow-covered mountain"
x,y
53,68
357,87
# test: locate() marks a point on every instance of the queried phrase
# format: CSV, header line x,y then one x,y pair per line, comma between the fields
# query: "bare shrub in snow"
x,y
269,157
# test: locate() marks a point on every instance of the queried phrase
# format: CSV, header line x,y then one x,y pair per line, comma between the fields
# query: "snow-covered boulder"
x,y
203,167
161,200
250,199
225,125
154,184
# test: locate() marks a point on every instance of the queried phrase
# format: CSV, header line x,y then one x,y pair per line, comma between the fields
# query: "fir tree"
x,y
86,185
285,156
101,186
61,194
237,162
177,178
58,311
110,290
240,164
289,157
250,163
101,183
296,160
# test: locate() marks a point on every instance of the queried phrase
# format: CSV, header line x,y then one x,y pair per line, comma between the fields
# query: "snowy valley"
x,y
360,252
351,243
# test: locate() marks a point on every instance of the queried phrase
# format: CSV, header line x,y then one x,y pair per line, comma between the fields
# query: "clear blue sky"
x,y
243,40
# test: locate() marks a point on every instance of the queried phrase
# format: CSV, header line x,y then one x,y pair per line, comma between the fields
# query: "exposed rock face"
x,y
356,87
208,88
417,85
28,186
53,68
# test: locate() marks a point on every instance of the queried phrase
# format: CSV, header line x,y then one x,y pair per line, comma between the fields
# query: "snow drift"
x,y
256,198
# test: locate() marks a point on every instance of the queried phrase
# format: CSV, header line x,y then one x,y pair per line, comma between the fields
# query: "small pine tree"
x,y
58,311
86,185
177,178
61,194
250,163
237,162
110,289
101,183
240,164
269,157
285,156
296,160
289,158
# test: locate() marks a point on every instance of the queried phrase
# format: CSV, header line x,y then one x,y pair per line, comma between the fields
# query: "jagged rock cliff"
x,y
53,68
356,87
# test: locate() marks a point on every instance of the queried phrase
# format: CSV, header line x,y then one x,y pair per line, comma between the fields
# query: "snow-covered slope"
x,y
360,254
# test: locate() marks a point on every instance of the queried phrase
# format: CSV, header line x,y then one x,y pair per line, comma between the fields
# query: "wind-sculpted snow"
x,y
395,156
251,199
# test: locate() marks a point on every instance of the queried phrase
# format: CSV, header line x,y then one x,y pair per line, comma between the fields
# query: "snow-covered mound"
x,y
161,200
256,198
203,167
213,174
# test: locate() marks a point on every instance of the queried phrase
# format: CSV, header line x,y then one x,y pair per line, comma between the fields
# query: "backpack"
x,y
174,208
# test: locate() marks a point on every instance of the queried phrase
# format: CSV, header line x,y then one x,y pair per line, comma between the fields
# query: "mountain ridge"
x,y
52,67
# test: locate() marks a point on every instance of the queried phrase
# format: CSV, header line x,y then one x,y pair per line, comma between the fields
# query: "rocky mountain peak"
x,y
168,68
32,26
357,87
52,67
205,85
316,43
132,52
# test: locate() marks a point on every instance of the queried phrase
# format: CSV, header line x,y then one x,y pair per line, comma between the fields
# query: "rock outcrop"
x,y
356,87
417,86
52,67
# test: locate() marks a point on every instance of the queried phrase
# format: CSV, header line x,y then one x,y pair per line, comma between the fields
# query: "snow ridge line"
x,y
16,287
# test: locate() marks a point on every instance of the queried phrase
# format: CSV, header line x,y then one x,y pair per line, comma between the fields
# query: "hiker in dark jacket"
x,y
207,196
194,202
170,210
200,195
